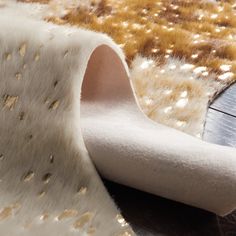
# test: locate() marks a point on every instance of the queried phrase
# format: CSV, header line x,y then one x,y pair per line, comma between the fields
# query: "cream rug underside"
x,y
48,182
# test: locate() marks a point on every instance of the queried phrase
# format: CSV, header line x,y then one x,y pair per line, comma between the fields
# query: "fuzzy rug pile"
x,y
181,53
67,104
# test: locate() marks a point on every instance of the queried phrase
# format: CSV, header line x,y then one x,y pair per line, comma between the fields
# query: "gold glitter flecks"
x,y
54,105
22,50
28,176
8,56
83,220
9,101
44,217
68,213
18,76
41,194
121,220
82,191
46,178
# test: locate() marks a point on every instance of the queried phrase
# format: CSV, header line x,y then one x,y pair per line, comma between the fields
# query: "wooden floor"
x,y
151,215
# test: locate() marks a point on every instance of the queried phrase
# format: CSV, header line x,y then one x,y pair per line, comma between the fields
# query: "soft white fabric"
x,y
48,183
130,149
47,179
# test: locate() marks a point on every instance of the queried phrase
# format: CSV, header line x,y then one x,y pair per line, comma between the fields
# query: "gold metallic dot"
x,y
28,176
46,178
54,105
121,220
66,53
83,220
8,56
10,101
44,216
82,191
18,76
68,213
41,194
22,49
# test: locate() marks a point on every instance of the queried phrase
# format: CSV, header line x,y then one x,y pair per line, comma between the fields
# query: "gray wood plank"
x,y
220,128
226,101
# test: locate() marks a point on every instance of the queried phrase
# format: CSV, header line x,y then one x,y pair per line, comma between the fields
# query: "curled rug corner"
x,y
49,185
131,149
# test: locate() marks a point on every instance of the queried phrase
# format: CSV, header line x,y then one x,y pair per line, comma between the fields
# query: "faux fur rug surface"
x,y
48,183
65,97
181,53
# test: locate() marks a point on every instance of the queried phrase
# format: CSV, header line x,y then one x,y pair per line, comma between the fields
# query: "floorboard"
x,y
220,128
226,102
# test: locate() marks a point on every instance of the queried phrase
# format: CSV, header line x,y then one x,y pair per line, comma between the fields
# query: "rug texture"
x,y
181,53
66,97
48,184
